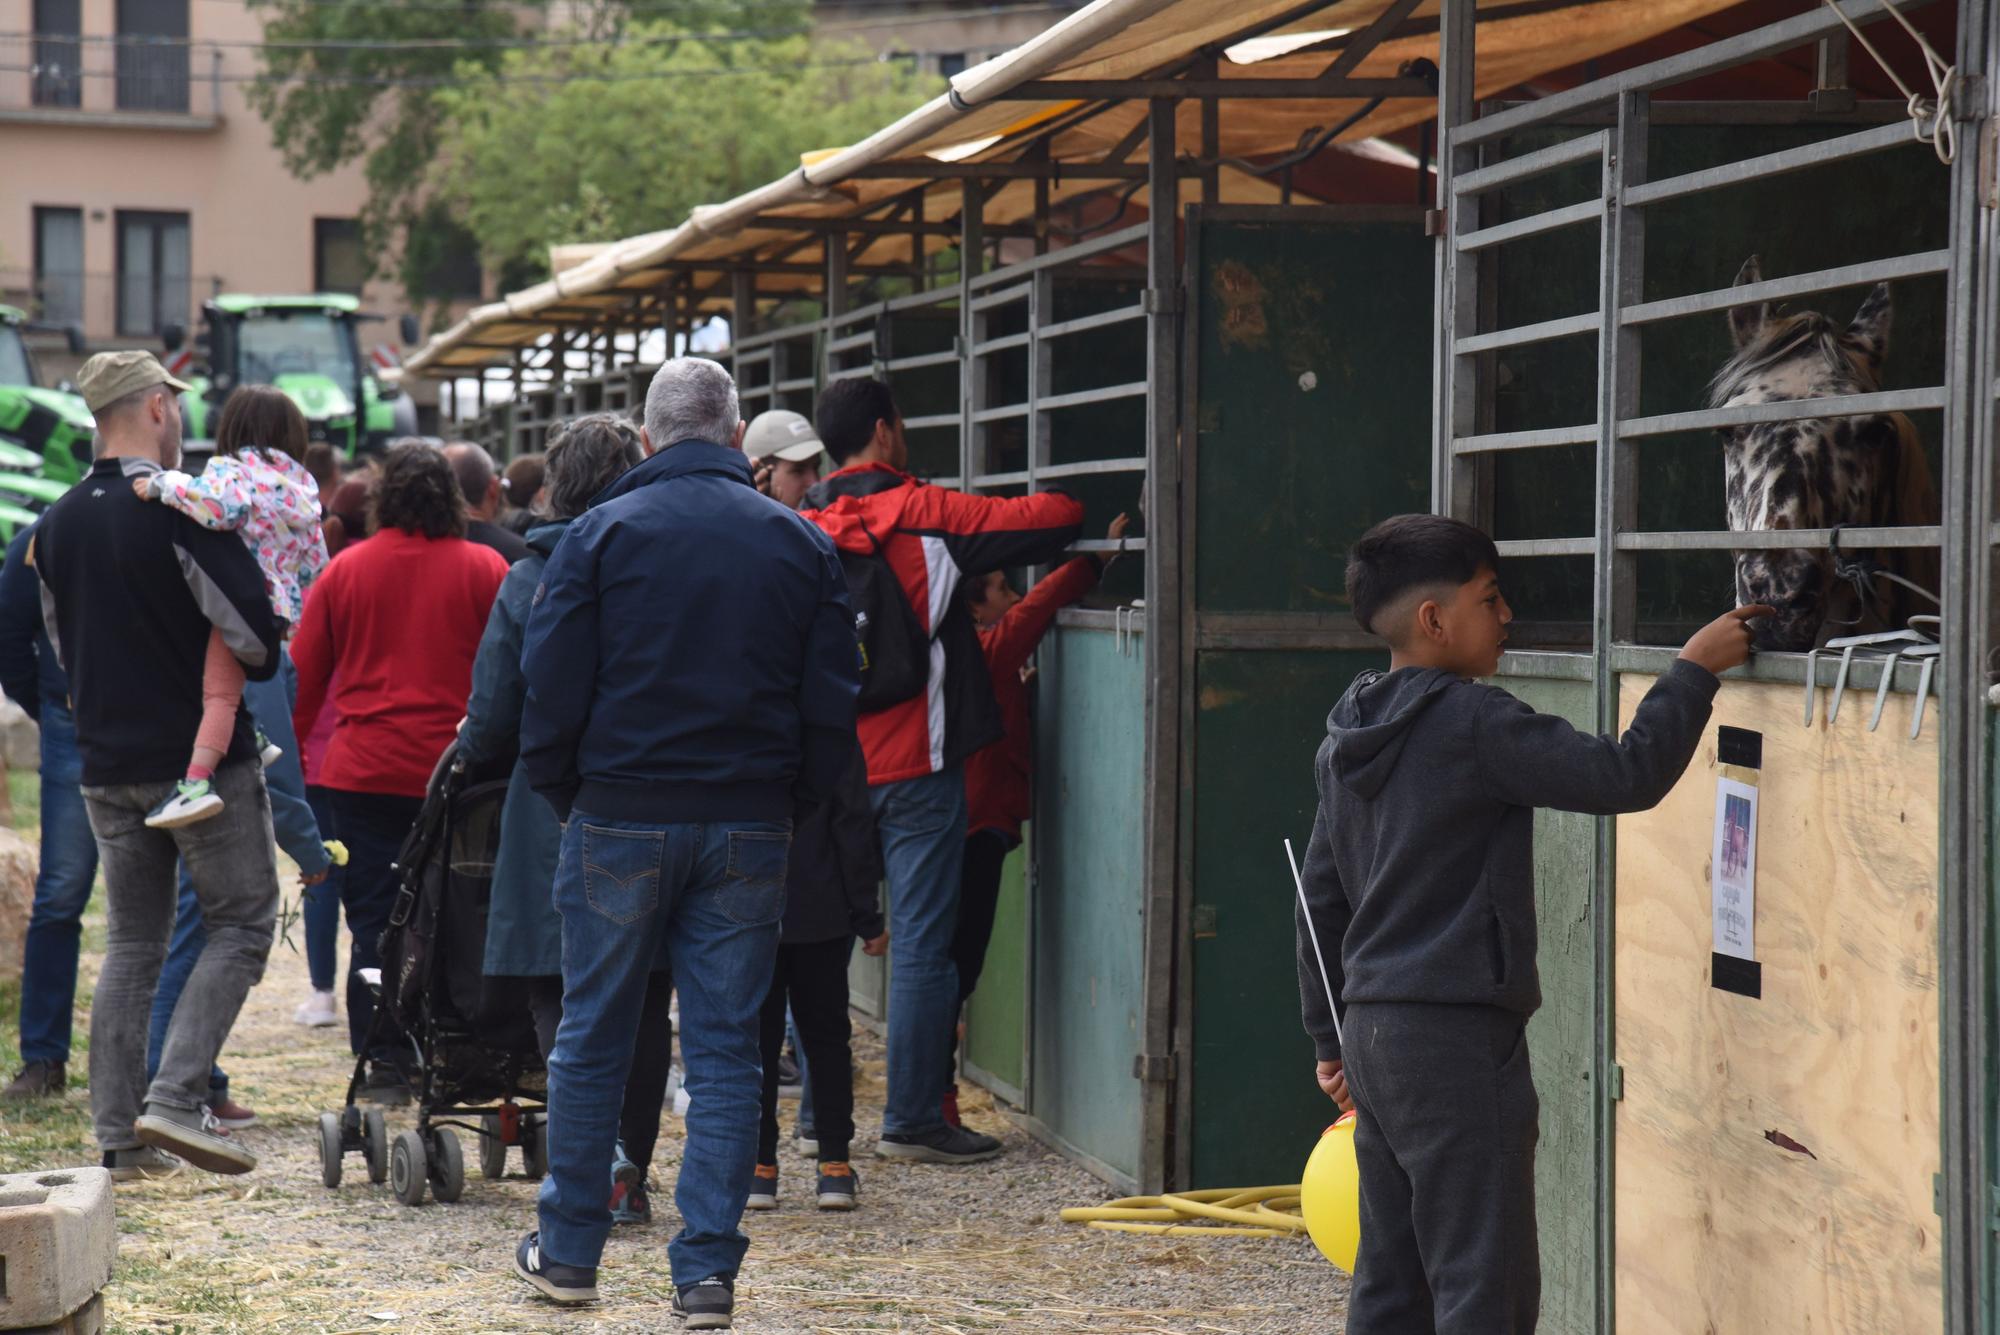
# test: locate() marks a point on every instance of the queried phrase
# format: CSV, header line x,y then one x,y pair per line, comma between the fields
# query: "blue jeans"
x,y
922,824
322,907
182,955
62,888
716,893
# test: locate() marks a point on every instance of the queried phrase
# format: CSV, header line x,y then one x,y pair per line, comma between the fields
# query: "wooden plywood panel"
x,y
1560,1038
1720,1230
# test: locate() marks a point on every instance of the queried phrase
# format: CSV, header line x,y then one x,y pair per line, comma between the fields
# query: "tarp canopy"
x,y
975,122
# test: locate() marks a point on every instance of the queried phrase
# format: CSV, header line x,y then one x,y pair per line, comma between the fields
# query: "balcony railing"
x,y
111,308
65,76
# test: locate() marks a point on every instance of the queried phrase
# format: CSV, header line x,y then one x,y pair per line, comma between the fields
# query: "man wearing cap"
x,y
130,591
785,455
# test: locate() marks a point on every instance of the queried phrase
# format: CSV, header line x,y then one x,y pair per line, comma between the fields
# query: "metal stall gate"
x,y
1570,423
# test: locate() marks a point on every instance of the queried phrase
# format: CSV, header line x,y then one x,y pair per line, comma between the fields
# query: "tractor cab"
x,y
309,348
44,432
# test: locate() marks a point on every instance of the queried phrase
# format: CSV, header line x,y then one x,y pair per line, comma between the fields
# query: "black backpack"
x,y
895,648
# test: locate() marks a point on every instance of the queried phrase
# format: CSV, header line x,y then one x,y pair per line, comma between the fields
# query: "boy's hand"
x,y
1724,643
760,476
1333,1083
878,947
1118,526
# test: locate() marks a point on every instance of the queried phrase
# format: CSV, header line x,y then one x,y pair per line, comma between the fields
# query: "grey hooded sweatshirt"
x,y
1420,872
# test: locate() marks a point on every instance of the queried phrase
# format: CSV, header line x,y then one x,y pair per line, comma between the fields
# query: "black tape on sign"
x,y
1743,977
1739,746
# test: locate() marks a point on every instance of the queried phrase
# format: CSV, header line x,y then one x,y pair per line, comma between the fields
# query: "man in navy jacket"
x,y
691,668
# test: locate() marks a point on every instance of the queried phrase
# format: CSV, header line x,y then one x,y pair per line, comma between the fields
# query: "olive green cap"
x,y
110,376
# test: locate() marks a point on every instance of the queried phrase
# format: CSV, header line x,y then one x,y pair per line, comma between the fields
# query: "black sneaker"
x,y
194,1135
38,1080
385,1086
709,1305
566,1284
947,1144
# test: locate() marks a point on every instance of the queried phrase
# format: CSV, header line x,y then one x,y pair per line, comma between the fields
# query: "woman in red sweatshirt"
x,y
395,621
999,780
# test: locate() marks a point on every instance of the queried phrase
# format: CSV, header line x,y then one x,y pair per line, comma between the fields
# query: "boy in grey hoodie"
x,y
1420,879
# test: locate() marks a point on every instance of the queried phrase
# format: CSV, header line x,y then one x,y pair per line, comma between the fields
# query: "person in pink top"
x,y
256,485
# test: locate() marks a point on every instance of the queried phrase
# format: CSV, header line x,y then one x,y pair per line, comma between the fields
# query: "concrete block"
x,y
58,1241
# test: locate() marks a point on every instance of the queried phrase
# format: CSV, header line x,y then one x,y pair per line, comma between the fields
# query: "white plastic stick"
x,y
1332,1002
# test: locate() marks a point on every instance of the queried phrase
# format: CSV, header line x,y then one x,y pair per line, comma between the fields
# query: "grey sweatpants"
x,y
233,863
1444,1133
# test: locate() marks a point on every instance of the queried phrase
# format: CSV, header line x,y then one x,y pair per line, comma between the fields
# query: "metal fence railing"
x,y
65,73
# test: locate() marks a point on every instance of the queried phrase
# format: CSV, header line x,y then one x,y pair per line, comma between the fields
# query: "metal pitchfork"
x,y
1899,644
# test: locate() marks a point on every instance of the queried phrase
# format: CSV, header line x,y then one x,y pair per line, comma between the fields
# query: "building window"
x,y
152,55
152,272
59,265
950,64
57,63
338,263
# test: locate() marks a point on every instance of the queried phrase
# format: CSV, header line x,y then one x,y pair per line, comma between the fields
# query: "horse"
x,y
1821,472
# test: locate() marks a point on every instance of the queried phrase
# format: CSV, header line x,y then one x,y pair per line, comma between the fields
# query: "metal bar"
x,y
1455,384
1764,540
1798,285
1873,140
1544,438
1590,210
1015,479
1041,374
1772,40
1113,90
1082,250
927,169
1513,547
851,342
971,325
926,421
1522,335
1002,343
1105,394
1580,149
919,361
1083,323
1107,545
1089,468
1000,413
1790,410
794,385
990,298
1361,43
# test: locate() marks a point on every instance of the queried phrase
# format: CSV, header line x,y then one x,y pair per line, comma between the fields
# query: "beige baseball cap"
x,y
780,434
110,376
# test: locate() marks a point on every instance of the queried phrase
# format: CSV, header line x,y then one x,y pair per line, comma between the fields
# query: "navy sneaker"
x,y
947,1144
566,1284
709,1305
763,1188
838,1183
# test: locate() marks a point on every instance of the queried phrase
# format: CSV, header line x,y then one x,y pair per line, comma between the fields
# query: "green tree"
x,y
340,82
594,144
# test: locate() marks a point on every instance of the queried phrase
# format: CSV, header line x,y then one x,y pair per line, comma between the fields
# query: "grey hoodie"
x,y
1420,871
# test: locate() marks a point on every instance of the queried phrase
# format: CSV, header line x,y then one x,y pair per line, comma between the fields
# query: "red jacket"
x,y
998,780
933,537
398,617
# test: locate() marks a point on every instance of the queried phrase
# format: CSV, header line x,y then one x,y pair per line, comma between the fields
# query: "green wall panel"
x,y
1560,1038
1089,903
996,1021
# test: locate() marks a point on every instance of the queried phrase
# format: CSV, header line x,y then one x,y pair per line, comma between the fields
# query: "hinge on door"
x,y
1161,301
1433,222
1151,1069
1614,1082
1202,921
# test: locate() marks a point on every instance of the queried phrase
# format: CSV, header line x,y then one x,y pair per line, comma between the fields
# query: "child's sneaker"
x,y
268,751
837,1185
806,1137
191,800
763,1188
630,1204
316,1011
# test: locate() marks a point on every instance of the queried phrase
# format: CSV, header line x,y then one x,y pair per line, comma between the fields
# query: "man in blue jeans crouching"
x,y
691,668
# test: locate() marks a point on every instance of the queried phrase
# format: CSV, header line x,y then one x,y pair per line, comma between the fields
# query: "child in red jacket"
x,y
999,780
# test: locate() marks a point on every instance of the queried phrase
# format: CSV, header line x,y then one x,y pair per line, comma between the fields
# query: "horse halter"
x,y
1861,572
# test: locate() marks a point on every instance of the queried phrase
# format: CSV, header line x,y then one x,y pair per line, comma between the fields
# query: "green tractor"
x,y
43,432
307,347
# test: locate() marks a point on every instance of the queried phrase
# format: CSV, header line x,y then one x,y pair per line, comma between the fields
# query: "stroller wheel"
x,y
329,1149
409,1174
535,1145
375,1145
492,1149
447,1165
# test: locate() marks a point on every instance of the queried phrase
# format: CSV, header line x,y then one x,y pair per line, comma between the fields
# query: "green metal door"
x,y
1311,335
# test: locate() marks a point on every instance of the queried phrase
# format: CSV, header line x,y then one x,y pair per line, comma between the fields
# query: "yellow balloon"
x,y
1330,1196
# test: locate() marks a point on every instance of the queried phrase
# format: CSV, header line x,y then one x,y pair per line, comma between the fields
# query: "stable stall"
x,y
1187,259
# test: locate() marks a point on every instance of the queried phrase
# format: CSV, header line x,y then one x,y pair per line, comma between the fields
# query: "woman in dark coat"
x,y
523,930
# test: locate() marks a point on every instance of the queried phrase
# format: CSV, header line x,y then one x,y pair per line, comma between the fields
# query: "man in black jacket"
x,y
130,594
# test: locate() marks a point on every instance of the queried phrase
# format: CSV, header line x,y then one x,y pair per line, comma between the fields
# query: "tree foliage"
x,y
670,126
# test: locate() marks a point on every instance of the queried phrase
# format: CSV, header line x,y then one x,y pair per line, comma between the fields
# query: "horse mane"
x,y
1780,342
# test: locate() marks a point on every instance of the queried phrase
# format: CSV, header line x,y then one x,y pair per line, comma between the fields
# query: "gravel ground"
x,y
932,1249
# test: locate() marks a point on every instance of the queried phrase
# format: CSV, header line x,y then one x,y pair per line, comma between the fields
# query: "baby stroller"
x,y
463,1042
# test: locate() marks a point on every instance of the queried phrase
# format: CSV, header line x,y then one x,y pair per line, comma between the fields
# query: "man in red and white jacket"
x,y
931,538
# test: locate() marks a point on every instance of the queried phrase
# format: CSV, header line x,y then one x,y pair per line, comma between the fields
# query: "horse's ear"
x,y
1870,331
1746,322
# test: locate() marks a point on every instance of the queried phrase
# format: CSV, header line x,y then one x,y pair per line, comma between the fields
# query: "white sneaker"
x,y
268,751
316,1011
190,801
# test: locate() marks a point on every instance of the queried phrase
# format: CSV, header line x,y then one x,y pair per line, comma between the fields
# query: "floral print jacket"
x,y
269,498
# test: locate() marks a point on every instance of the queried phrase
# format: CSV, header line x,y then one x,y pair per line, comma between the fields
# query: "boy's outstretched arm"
x,y
1538,760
